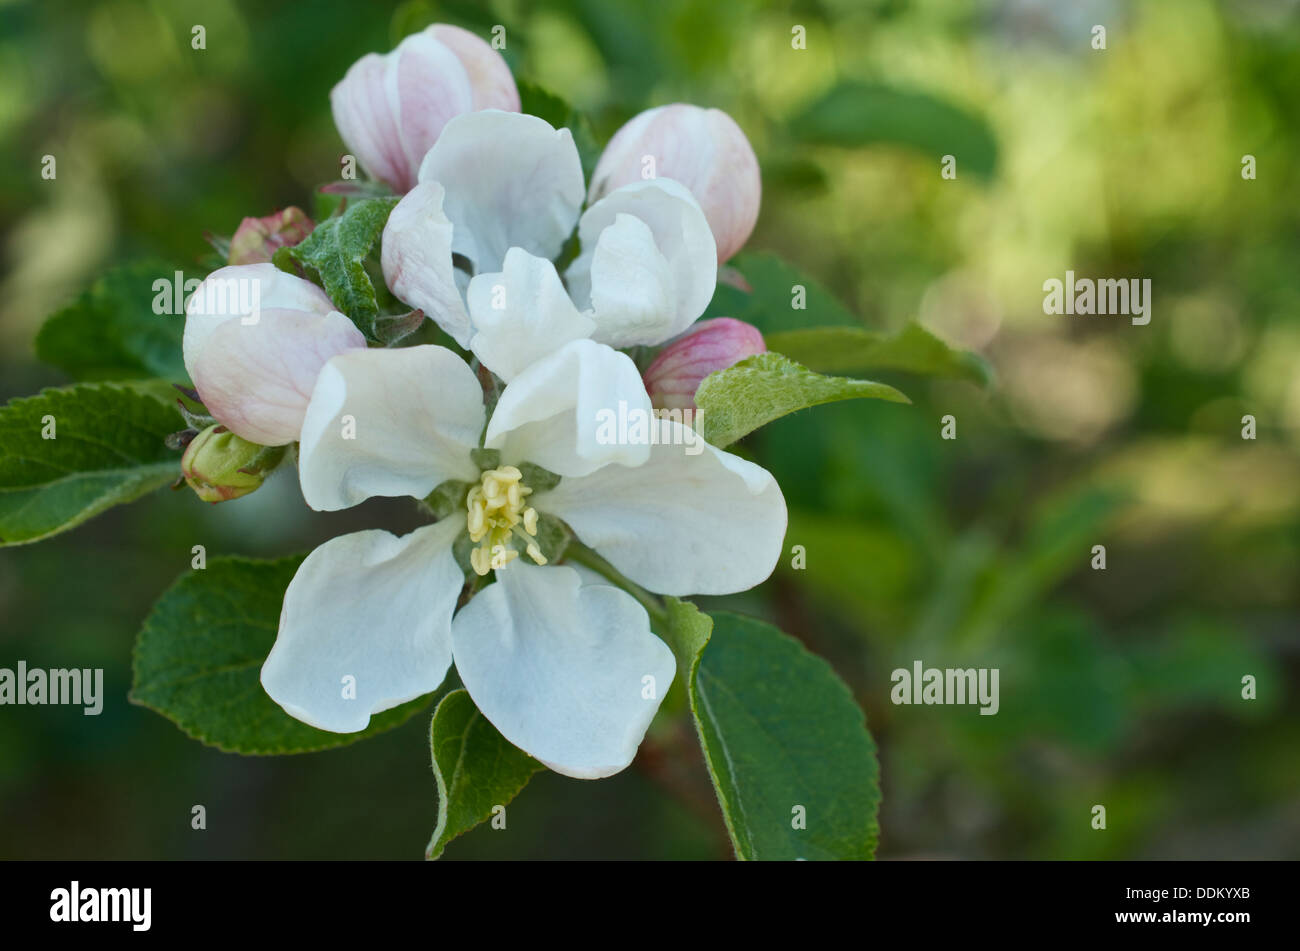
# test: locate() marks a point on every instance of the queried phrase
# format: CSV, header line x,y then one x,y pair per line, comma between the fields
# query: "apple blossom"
x,y
708,346
390,109
256,239
555,661
255,339
705,150
501,192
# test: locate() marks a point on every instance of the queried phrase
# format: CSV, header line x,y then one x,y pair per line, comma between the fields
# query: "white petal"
x,y
416,258
373,607
490,77
255,339
708,523
258,378
632,286
390,423
511,181
365,114
703,149
681,233
561,668
557,414
430,86
521,314
240,290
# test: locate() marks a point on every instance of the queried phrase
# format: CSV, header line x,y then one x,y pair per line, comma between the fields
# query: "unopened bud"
x,y
256,239
220,466
255,341
390,109
703,149
711,345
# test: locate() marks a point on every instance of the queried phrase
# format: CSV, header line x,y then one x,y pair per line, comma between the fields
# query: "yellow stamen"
x,y
495,510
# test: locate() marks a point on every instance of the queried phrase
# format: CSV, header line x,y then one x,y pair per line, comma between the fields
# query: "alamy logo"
x,y
952,685
215,297
102,904
637,427
1107,296
57,686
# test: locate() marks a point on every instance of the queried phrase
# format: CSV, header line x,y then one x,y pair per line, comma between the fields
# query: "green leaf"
x,y
854,349
336,251
108,449
536,101
823,334
769,306
1060,528
392,329
475,766
686,629
780,730
329,198
111,331
198,661
860,113
767,386
687,632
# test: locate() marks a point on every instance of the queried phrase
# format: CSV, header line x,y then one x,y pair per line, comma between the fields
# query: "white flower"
x,y
503,191
255,339
566,670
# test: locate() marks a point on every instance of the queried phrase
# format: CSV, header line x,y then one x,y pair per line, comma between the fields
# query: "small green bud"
x,y
219,466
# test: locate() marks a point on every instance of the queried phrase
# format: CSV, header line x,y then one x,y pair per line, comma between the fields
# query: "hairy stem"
x,y
584,556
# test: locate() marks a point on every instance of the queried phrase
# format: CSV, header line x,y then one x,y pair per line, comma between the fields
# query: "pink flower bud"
x,y
703,149
256,239
675,375
255,341
390,109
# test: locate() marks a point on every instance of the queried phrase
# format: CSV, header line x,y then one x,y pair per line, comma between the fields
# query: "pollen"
x,y
498,514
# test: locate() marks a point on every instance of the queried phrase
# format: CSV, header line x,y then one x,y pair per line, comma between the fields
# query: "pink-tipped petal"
x,y
390,109
489,76
711,345
255,341
705,150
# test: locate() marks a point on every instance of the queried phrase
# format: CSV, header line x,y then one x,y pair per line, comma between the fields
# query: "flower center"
x,y
497,515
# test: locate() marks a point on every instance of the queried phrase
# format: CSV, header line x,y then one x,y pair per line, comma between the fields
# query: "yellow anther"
x,y
502,556
495,507
478,559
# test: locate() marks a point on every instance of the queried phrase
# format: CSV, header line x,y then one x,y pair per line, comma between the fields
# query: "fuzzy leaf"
x,y
784,741
476,768
855,349
198,661
686,630
109,447
767,386
111,331
336,253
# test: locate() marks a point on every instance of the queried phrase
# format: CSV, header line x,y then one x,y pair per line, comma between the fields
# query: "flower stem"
x,y
584,556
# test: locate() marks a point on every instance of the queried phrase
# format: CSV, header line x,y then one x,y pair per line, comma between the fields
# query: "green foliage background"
x,y
1119,687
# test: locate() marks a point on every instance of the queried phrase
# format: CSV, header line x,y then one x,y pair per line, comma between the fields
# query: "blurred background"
x,y
1119,686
